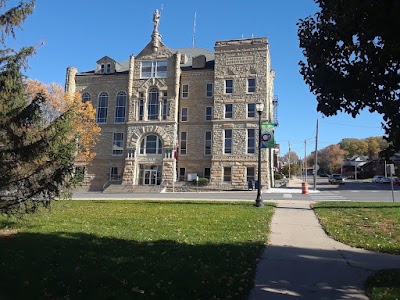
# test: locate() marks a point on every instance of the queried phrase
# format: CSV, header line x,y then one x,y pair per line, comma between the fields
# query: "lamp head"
x,y
259,106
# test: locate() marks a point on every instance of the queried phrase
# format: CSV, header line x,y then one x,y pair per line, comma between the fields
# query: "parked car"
x,y
376,178
384,180
336,179
396,181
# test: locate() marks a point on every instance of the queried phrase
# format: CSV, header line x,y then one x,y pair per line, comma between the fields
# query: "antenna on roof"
x,y
194,30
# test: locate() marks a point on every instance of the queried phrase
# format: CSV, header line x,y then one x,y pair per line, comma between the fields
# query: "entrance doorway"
x,y
150,174
149,177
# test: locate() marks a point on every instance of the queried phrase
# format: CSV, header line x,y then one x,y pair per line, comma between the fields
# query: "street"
x,y
351,191
354,190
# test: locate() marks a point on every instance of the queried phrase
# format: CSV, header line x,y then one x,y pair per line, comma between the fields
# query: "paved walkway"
x,y
302,262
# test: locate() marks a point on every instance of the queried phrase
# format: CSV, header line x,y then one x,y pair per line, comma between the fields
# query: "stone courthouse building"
x,y
173,114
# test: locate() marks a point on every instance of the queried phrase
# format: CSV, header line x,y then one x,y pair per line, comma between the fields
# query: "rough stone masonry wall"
x,y
99,169
239,60
165,129
196,126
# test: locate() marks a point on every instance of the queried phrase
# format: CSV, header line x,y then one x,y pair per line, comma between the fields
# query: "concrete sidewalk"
x,y
302,262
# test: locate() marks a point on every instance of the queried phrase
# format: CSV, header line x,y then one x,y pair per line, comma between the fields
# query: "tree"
x,y
36,151
352,147
84,127
295,169
294,158
352,51
330,158
371,146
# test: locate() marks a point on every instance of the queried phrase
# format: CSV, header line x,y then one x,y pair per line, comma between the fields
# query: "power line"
x,y
361,126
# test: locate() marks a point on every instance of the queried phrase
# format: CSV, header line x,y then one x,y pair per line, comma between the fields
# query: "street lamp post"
x,y
259,108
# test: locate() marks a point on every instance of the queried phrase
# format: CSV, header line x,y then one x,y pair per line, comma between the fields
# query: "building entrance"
x,y
149,177
150,174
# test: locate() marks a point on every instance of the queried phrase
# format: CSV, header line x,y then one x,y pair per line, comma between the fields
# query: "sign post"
x,y
391,172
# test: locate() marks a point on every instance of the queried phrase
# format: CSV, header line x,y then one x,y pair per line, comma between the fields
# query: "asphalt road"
x,y
351,191
355,191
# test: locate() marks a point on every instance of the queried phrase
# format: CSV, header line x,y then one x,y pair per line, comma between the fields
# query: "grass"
x,y
133,250
384,285
371,226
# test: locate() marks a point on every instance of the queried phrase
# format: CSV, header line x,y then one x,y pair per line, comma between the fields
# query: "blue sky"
x,y
79,32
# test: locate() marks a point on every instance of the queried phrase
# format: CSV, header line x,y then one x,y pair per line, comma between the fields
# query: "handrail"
x,y
107,184
158,186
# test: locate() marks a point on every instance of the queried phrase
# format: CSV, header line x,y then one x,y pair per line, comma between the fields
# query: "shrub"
x,y
278,176
202,181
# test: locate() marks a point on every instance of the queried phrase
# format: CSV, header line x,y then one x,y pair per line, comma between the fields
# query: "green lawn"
x,y
372,226
133,250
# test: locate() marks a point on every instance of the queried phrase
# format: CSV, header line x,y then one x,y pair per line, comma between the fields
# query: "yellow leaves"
x,y
84,127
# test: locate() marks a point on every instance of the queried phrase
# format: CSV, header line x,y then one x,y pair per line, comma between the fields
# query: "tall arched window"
x,y
152,108
120,107
151,144
102,108
85,97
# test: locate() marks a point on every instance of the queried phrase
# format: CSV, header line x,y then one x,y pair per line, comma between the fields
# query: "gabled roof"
x,y
105,58
148,50
358,157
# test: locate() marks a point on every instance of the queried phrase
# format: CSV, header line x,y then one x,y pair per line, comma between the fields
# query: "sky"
x,y
79,32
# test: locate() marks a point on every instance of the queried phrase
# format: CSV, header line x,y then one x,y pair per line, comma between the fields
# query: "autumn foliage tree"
x,y
331,158
84,127
291,157
352,59
371,146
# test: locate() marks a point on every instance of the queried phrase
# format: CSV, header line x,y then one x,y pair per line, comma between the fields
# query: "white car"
x,y
336,179
384,180
377,178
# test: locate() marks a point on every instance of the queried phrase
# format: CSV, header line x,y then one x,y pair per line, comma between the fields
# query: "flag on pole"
x,y
267,135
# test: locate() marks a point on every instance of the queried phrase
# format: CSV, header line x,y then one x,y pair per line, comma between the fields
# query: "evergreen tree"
x,y
36,151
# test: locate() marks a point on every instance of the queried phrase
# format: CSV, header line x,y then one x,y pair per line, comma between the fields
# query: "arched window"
x,y
102,108
120,108
152,108
85,97
151,144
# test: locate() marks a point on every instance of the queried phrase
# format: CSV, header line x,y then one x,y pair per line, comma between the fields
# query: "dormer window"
x,y
105,65
154,69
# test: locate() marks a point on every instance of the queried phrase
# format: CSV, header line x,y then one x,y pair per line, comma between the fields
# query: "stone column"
x,y
129,176
168,166
131,106
145,115
70,86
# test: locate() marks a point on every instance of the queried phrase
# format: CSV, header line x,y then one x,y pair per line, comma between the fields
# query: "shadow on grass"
x,y
84,266
384,283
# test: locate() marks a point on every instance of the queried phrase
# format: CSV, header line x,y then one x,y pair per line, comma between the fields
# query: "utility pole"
x,y
316,158
305,160
355,168
289,161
